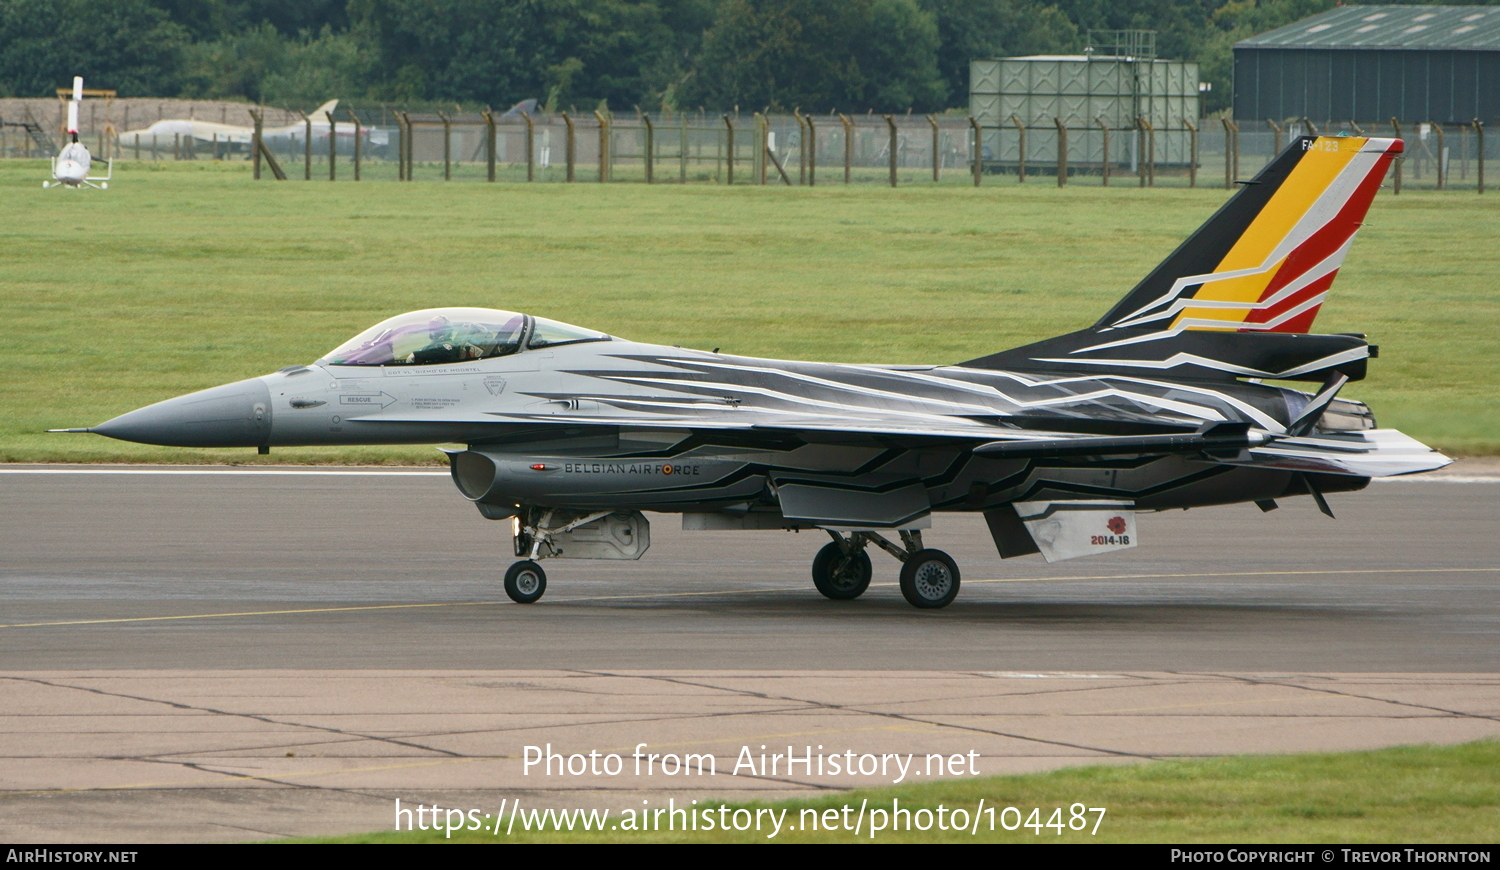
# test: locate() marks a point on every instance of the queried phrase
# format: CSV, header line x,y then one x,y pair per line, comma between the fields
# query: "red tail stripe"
x,y
1319,247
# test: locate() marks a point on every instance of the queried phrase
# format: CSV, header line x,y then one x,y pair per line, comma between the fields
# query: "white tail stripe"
x,y
1323,210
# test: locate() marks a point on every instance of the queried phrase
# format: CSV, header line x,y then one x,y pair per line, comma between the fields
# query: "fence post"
x,y
447,146
1479,136
1311,127
1228,160
1062,152
1192,153
804,123
254,144
801,145
489,144
570,146
358,128
1442,174
682,147
1143,168
1150,152
762,131
978,150
1275,137
729,150
1140,139
1104,154
1396,182
890,122
812,153
848,146
530,147
1020,150
409,142
650,148
603,146
1234,127
333,145
307,149
937,156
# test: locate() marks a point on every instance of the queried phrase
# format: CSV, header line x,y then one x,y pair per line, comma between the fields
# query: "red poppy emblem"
x,y
1117,525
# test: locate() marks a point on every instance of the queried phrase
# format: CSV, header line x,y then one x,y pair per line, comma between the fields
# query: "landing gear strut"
x,y
929,578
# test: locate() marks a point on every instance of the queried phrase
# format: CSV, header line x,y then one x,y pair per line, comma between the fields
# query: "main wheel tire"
x,y
840,576
929,579
525,581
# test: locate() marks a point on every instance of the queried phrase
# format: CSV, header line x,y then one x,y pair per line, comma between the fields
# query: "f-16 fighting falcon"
x,y
1160,405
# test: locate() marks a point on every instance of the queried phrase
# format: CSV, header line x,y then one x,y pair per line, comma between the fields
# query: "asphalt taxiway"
x,y
301,568
219,654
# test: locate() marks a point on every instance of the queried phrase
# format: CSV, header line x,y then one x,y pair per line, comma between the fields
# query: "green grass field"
x,y
188,275
1411,794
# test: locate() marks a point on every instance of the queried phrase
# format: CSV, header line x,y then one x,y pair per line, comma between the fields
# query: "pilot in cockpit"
x,y
447,343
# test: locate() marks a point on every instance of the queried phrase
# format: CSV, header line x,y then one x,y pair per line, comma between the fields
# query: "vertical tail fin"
x,y
1265,260
320,113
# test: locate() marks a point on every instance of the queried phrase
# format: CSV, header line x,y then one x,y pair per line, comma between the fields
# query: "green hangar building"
x,y
1369,64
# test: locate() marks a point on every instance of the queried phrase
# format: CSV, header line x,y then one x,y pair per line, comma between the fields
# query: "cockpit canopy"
x,y
449,335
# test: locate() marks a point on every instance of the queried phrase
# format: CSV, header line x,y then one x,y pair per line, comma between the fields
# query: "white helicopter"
x,y
71,165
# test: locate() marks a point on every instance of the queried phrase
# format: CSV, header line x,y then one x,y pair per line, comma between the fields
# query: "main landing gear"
x,y
929,578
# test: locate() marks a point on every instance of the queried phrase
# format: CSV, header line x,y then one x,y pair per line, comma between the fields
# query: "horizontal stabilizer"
x,y
1367,453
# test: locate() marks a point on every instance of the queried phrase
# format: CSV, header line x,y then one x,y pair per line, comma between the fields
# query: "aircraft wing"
x,y
1365,453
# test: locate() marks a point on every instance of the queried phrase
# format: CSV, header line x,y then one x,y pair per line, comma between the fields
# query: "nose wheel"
x,y
525,581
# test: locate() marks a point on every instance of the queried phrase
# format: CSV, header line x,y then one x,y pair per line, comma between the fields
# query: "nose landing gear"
x,y
525,581
929,578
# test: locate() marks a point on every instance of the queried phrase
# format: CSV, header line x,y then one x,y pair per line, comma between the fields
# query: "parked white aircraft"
x,y
71,166
210,131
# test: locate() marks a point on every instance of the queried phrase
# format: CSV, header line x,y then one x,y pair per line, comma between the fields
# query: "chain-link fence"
x,y
686,148
385,143
798,149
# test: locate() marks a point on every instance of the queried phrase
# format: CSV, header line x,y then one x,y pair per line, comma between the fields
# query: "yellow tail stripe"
x,y
1307,183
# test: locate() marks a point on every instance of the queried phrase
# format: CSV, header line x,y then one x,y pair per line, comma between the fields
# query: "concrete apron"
x,y
159,756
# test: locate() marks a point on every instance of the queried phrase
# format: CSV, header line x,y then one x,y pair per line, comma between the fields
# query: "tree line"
x,y
817,55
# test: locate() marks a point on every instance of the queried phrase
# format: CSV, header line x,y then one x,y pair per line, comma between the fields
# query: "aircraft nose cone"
x,y
234,415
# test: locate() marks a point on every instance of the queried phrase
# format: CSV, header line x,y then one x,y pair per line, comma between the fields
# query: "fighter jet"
x,y
571,434
71,166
